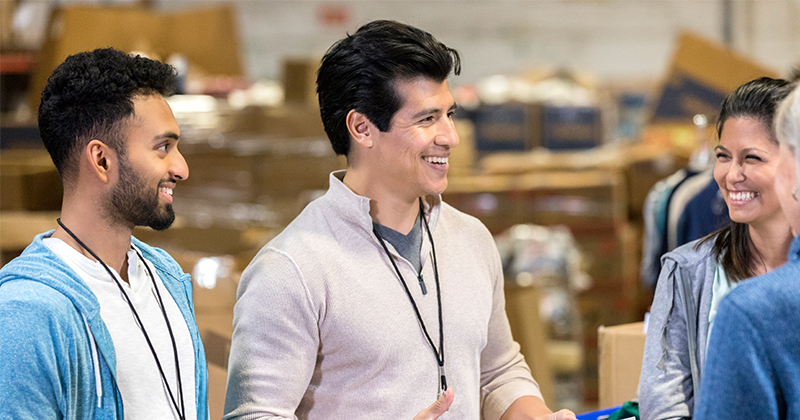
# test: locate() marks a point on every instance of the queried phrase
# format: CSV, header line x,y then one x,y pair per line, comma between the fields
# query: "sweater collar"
x,y
355,208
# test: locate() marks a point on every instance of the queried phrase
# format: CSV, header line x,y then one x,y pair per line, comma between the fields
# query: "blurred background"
x,y
585,128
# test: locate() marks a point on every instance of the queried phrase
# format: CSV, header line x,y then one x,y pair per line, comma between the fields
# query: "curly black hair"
x,y
90,96
359,72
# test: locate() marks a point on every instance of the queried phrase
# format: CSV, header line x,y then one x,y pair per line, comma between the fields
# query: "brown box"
x,y
206,37
216,331
462,157
288,121
217,384
281,174
29,181
300,81
701,74
527,328
621,348
18,228
516,126
7,8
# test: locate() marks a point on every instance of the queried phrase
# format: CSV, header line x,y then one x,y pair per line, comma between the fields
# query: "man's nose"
x,y
179,169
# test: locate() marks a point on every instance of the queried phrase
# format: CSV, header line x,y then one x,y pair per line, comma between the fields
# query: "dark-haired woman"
x,y
696,276
756,327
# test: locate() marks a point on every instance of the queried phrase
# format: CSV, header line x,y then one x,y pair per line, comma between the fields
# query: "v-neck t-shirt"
x,y
408,246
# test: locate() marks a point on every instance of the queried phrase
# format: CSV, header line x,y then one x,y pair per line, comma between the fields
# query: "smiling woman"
x,y
695,277
747,160
756,323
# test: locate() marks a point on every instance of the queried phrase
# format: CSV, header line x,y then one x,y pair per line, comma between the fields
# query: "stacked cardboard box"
x,y
207,37
621,348
522,126
29,181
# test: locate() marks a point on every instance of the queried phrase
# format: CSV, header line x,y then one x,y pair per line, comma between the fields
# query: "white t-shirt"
x,y
721,287
144,395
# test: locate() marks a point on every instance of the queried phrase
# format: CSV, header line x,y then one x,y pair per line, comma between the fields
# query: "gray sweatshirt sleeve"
x,y
665,385
273,351
505,376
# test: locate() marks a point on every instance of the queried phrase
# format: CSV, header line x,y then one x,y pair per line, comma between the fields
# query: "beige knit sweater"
x,y
324,329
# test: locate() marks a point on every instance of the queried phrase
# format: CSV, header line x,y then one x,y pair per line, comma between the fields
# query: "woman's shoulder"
x,y
695,253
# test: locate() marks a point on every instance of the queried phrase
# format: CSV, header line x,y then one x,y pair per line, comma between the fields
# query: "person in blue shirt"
x,y
753,368
96,324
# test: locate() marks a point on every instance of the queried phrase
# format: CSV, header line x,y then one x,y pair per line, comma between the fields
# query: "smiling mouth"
x,y
436,160
167,191
743,195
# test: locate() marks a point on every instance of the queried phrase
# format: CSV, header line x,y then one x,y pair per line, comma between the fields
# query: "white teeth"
x,y
167,191
439,160
743,196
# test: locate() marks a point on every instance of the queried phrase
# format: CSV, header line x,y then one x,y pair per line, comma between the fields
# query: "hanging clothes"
x,y
656,209
683,207
706,213
681,197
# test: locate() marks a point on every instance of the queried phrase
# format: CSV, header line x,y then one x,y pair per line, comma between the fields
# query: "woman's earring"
x,y
794,193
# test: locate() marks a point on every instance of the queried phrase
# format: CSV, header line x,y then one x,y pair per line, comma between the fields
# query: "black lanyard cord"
x,y
439,354
171,337
181,410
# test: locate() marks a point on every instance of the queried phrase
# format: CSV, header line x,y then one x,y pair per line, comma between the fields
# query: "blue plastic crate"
x,y
599,414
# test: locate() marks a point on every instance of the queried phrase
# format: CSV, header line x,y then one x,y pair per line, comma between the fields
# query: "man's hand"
x,y
533,408
440,406
560,415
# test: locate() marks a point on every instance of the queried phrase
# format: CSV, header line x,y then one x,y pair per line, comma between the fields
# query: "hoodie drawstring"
x,y
96,363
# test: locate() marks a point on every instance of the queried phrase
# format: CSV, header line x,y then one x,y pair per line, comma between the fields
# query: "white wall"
x,y
614,39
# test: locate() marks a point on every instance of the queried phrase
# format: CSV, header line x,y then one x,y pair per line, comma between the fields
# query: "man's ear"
x,y
101,159
360,128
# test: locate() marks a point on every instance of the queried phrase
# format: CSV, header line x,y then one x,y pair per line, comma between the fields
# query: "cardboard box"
x,y
509,126
519,126
300,81
17,228
462,157
527,328
207,38
29,181
280,174
216,331
621,349
217,384
7,9
701,74
565,127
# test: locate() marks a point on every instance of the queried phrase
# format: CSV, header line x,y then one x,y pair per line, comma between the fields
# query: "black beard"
x,y
133,205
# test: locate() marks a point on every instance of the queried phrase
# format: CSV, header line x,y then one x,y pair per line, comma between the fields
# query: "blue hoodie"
x,y
57,359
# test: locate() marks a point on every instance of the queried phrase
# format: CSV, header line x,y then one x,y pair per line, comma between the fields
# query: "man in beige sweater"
x,y
379,298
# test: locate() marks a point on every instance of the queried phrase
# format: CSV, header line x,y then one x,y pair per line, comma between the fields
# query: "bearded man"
x,y
97,324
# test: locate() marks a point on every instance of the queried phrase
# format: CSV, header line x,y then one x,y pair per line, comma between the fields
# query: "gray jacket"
x,y
666,385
